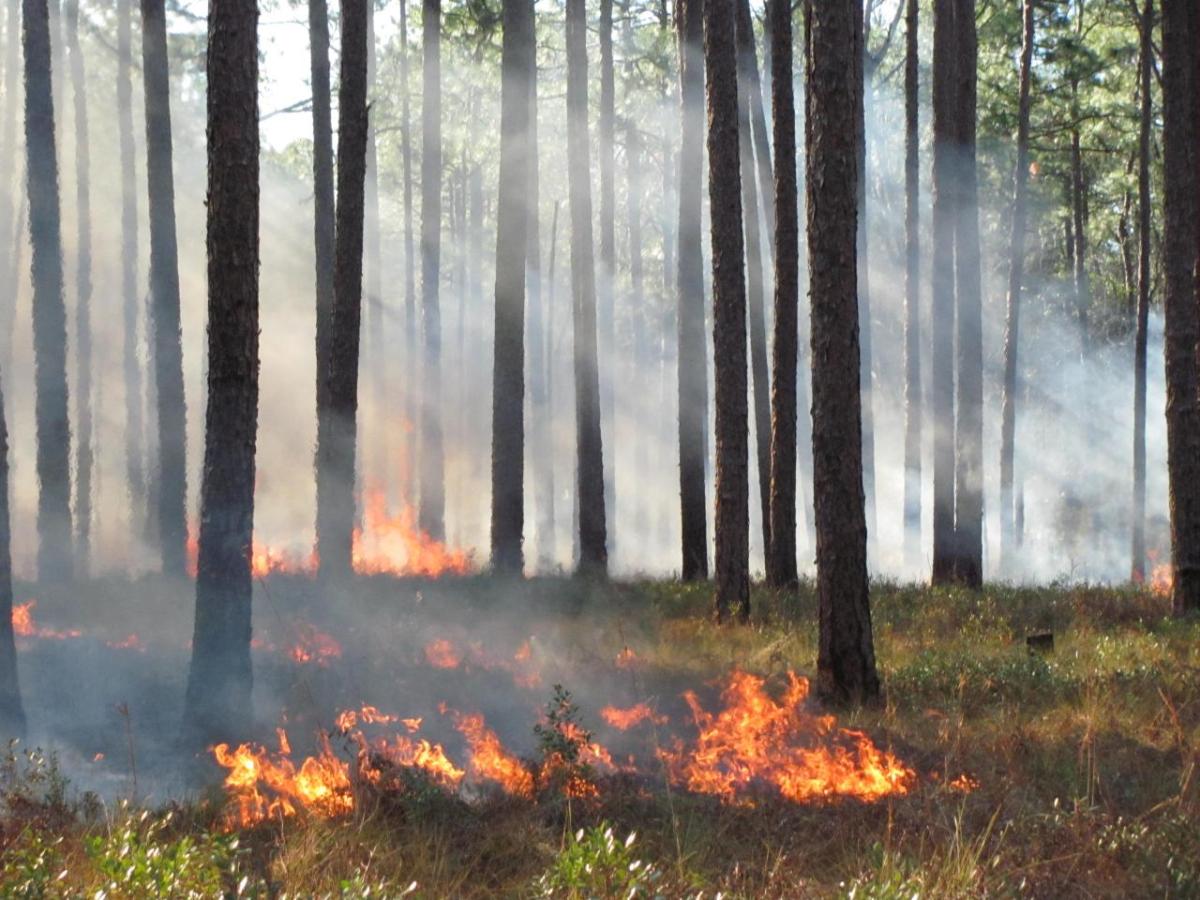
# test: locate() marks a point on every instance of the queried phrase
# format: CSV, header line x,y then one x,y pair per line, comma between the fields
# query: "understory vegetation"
x,y
1049,771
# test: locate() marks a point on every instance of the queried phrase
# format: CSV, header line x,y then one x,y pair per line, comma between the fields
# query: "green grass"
x,y
1085,759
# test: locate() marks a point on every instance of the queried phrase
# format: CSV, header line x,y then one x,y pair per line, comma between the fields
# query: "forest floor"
x,y
1063,772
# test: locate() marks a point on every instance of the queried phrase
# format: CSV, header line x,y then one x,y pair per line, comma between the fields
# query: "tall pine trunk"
x,y
1138,562
375,454
1181,233
692,345
49,311
781,550
747,72
83,298
846,654
336,444
432,486
135,472
12,713
732,523
866,367
411,368
758,124
171,475
512,244
218,702
1016,273
8,182
606,276
913,411
593,550
1079,218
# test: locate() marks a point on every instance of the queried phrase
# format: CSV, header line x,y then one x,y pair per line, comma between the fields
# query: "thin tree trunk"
x,y
846,655
1083,284
130,293
1016,272
945,203
411,350
866,367
83,298
968,432
12,713
218,702
433,489
49,312
1181,210
781,551
171,480
746,73
912,288
692,344
336,450
758,124
323,221
732,523
593,551
374,457
607,274
9,186
512,241
550,356
1138,563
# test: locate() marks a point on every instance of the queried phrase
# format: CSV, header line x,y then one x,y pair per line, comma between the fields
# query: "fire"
x,y
421,754
442,654
964,784
313,646
624,719
489,759
394,545
756,740
24,626
130,642
626,659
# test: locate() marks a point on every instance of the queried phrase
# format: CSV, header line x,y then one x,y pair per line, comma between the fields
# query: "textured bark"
x,y
732,522
758,123
432,485
1016,273
1138,562
12,713
8,184
593,551
336,441
375,455
746,74
323,199
135,472
866,367
512,243
49,311
83,297
164,291
942,287
1181,209
410,368
1079,216
689,281
912,287
606,274
551,305
846,655
218,702
781,551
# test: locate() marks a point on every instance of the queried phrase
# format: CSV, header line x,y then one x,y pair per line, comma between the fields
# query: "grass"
x,y
1085,760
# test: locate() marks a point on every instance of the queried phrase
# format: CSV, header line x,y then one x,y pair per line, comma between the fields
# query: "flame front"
x,y
624,719
394,545
24,626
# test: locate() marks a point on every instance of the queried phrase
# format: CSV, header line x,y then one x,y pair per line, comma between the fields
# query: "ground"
x,y
1063,771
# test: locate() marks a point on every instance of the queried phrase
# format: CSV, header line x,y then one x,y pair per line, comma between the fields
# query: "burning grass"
x,y
410,756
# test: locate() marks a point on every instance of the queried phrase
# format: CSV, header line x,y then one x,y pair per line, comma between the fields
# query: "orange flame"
x,y
624,719
23,624
313,646
131,642
756,740
488,757
394,545
626,659
442,654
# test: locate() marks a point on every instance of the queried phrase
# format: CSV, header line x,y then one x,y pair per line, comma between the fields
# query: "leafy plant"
x,y
594,864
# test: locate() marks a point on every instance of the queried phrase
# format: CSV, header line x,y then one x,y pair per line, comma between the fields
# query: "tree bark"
x,y
1138,563
9,186
758,125
866,367
781,551
512,244
1181,210
607,274
374,456
593,552
432,485
846,655
1083,283
171,478
732,523
945,203
747,72
323,216
12,713
49,312
411,368
218,702
1016,273
692,345
913,411
336,448
130,293
83,298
